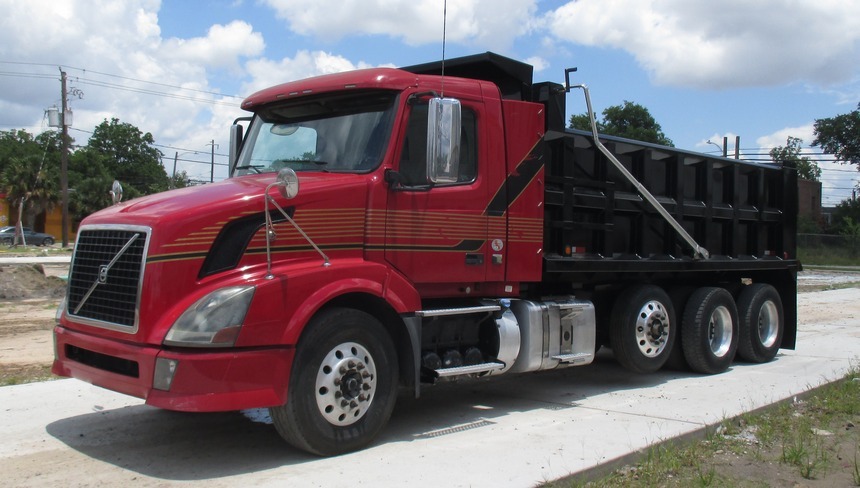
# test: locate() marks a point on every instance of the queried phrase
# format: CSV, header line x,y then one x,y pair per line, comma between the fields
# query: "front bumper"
x,y
205,380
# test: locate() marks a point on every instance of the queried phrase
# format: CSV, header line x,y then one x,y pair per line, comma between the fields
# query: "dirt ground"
x,y
29,297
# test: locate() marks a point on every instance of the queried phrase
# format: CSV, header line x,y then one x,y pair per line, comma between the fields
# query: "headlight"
x,y
214,320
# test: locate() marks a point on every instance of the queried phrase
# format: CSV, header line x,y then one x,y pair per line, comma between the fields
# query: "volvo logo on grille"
x,y
103,273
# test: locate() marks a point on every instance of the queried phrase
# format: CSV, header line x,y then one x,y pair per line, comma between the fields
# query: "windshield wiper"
x,y
256,168
305,164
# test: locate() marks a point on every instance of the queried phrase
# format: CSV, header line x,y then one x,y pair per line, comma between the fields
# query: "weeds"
x,y
749,450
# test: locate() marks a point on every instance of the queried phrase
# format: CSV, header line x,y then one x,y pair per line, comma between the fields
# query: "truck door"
x,y
438,234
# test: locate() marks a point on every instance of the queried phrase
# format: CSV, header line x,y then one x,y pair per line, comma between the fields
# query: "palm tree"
x,y
30,186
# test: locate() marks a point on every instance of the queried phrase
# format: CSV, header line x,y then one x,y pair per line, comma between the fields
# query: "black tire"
x,y
47,241
345,356
709,330
679,296
761,323
641,328
7,241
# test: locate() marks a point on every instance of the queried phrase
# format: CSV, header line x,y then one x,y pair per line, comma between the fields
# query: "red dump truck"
x,y
387,229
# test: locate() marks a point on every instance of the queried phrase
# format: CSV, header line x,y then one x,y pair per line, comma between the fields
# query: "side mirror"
x,y
236,133
288,183
443,140
116,192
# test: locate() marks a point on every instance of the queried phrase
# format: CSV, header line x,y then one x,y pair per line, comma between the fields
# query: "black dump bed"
x,y
743,214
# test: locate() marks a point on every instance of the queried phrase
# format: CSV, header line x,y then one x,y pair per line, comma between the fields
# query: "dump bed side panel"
x,y
736,210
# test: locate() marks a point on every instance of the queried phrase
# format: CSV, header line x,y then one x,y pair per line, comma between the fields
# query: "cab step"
x,y
470,369
581,357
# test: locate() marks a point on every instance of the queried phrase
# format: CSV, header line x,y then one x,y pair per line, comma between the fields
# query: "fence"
x,y
828,249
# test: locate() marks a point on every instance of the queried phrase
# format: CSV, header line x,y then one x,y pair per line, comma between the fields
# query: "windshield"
x,y
336,132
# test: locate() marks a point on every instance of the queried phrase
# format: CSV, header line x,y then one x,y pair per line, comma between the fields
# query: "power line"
x,y
147,91
138,80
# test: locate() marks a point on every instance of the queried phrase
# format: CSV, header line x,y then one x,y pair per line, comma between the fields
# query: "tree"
x,y
29,172
807,169
130,157
629,120
846,210
180,180
840,135
91,180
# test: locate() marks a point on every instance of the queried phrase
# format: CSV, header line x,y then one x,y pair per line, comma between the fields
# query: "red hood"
x,y
229,197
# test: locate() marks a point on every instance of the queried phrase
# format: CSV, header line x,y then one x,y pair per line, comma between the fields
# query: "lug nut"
x,y
337,382
353,404
360,367
344,403
365,387
338,394
362,397
343,370
351,364
365,375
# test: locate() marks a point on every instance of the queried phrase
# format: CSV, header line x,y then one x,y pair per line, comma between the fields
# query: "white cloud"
x,y
305,64
114,52
222,47
538,63
778,138
721,45
481,23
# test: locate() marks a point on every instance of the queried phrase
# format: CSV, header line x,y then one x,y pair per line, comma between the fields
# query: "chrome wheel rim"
x,y
768,324
346,384
720,331
652,329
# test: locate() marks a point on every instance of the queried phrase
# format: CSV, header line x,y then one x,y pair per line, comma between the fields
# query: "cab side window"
x,y
413,158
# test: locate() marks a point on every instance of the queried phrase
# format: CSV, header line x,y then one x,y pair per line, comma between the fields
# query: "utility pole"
x,y
173,176
737,147
64,161
212,170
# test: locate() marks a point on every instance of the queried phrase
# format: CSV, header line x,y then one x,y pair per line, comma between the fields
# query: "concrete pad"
x,y
508,431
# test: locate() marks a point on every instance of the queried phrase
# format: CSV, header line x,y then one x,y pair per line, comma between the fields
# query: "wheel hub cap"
x,y
652,329
720,331
346,384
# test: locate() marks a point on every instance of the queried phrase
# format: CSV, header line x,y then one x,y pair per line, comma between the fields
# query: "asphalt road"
x,y
513,431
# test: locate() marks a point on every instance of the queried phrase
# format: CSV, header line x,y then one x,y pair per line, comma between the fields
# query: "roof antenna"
x,y
444,27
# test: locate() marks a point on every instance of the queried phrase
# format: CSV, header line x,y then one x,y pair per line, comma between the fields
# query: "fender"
x,y
341,278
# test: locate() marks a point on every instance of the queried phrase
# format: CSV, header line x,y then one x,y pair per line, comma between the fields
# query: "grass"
x,y
827,256
19,375
817,438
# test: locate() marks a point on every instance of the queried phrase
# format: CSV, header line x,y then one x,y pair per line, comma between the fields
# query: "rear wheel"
x,y
641,328
47,241
761,323
343,384
709,336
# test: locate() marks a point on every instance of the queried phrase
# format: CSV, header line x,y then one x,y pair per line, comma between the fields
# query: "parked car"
x,y
7,236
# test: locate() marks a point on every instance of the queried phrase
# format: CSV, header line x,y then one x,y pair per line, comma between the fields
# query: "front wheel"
x,y
48,241
343,384
642,328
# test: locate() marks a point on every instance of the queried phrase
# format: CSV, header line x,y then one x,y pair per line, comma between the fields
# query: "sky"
x,y
705,69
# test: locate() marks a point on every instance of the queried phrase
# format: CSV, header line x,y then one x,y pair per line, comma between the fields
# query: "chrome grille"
x,y
106,276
